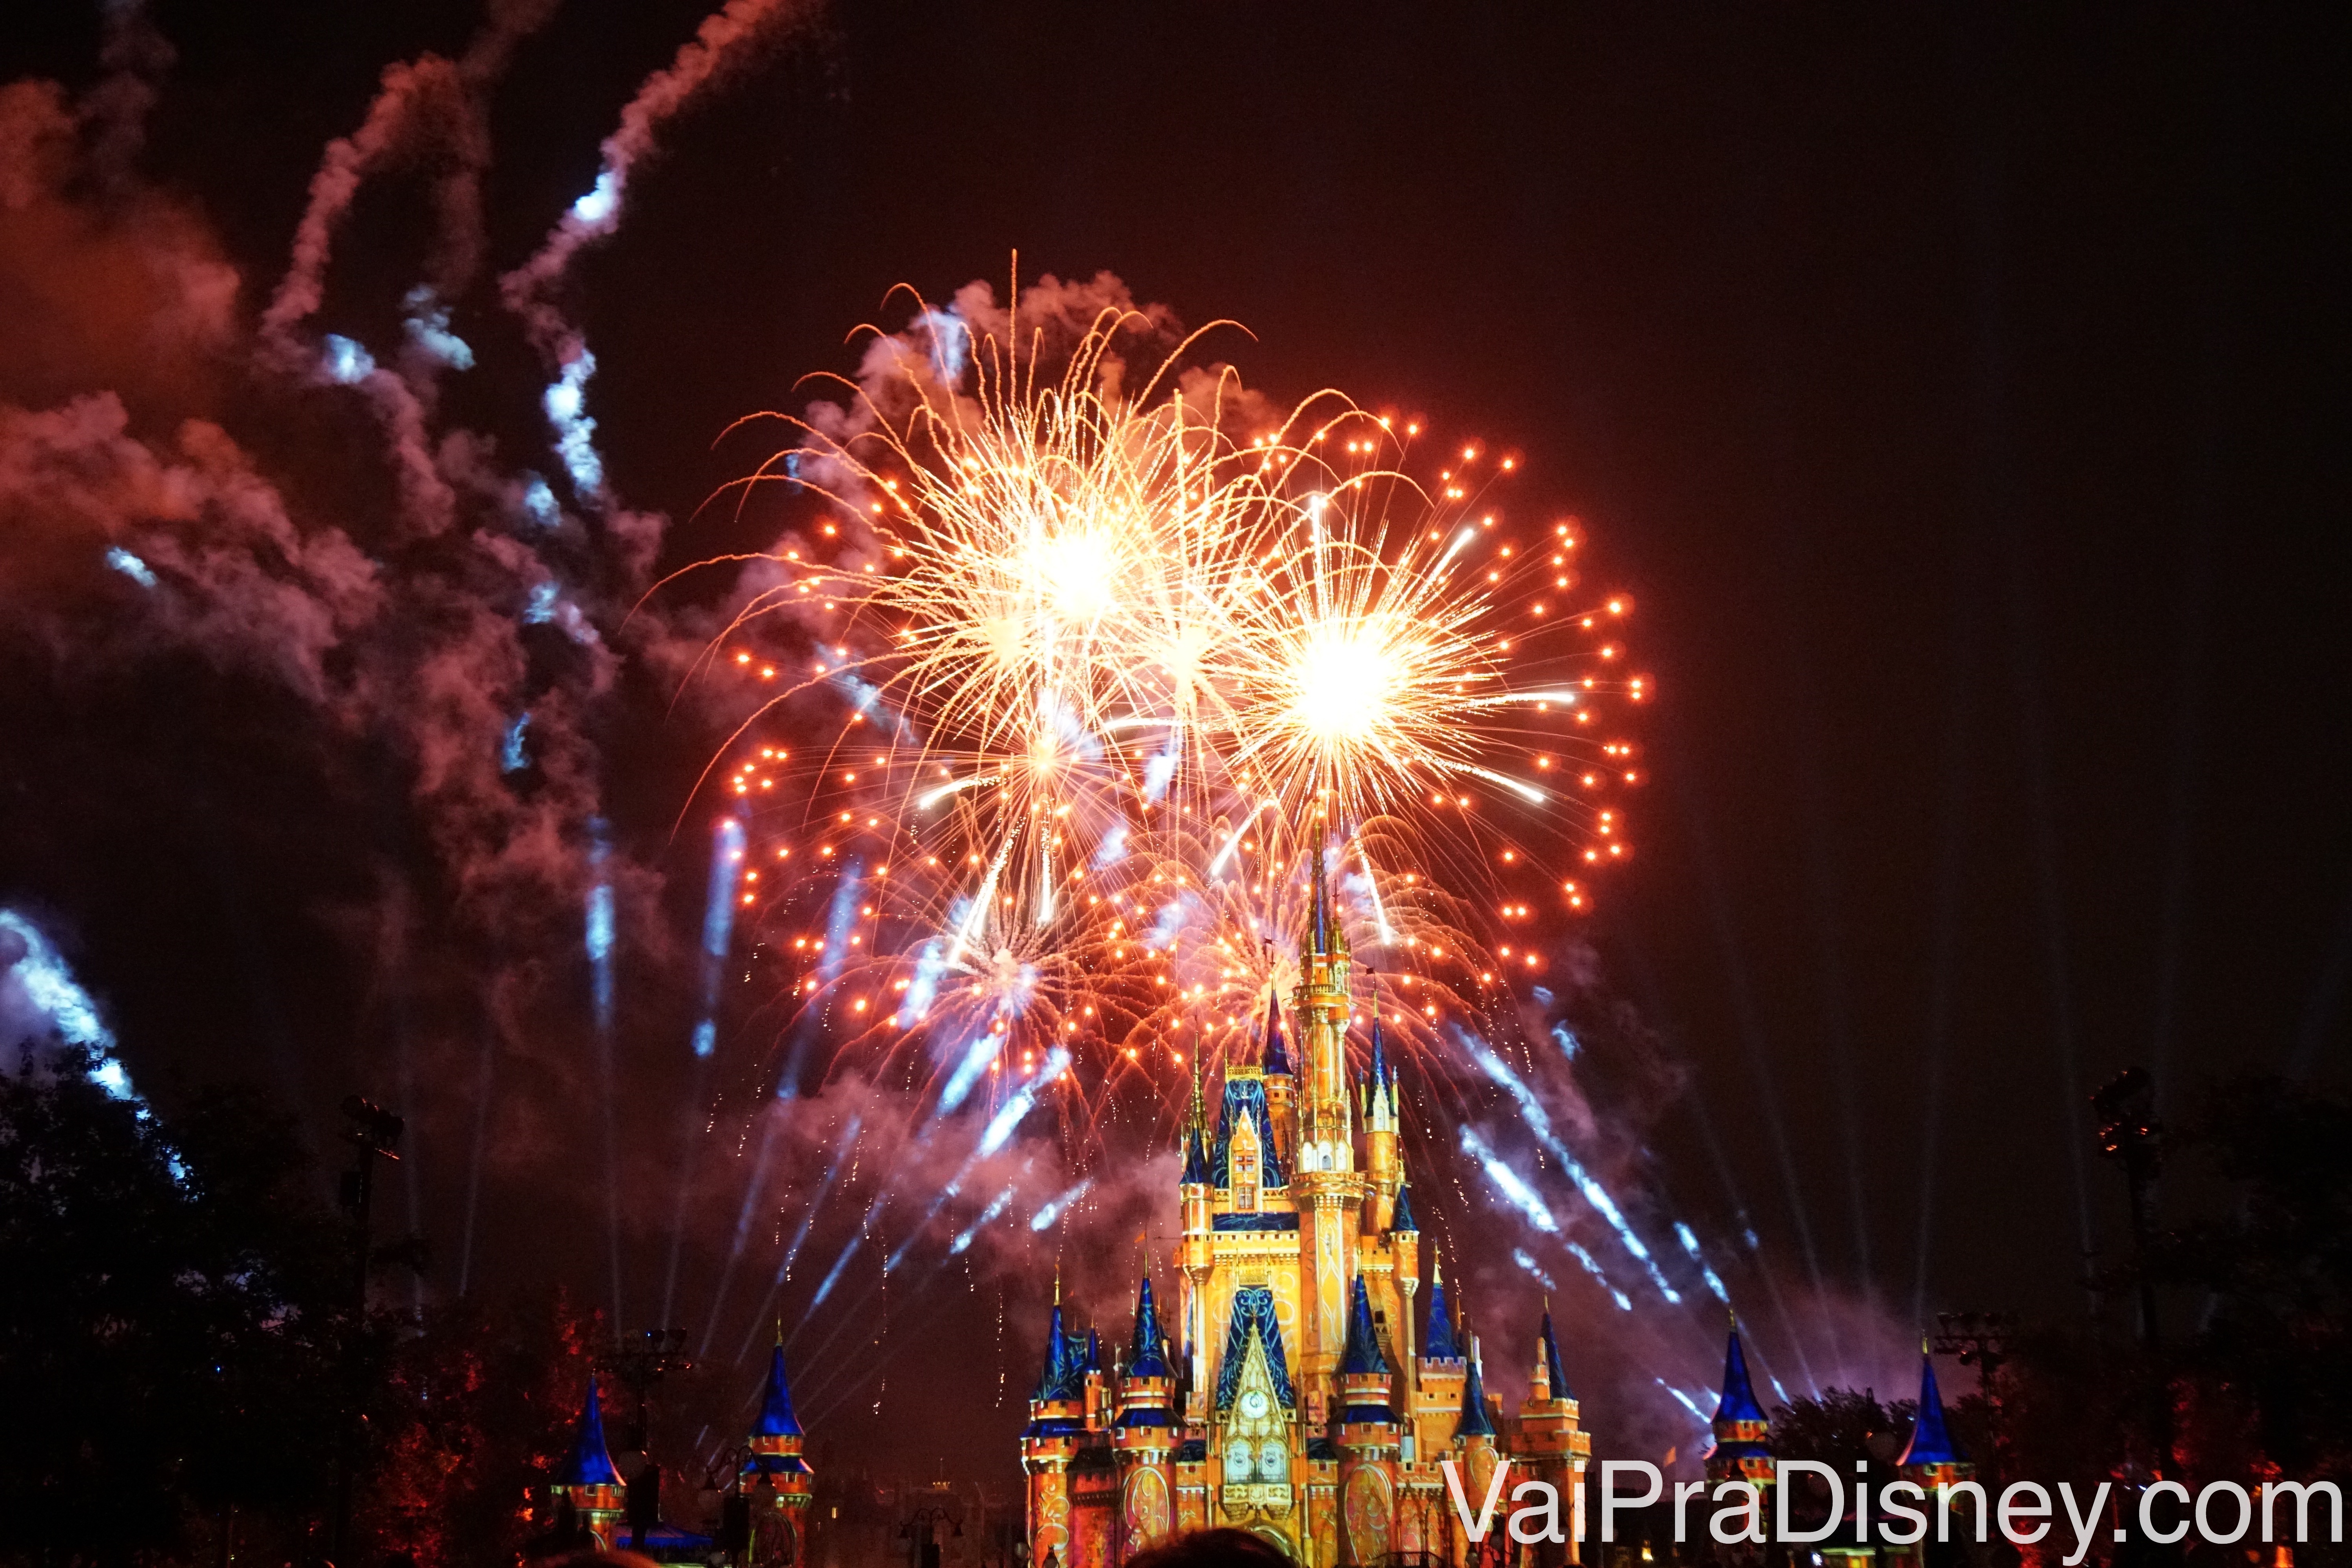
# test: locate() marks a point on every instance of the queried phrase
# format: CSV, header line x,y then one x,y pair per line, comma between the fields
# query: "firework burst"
x,y
1117,665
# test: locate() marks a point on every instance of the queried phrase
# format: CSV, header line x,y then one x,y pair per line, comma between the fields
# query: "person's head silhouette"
x,y
1212,1549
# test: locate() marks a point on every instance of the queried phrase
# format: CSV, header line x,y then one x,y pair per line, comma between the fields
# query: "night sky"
x,y
1957,391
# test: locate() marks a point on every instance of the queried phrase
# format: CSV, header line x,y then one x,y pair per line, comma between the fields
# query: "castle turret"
x,y
1056,1425
775,1476
1383,1159
1281,1080
587,1481
1329,1192
1368,1440
1195,1254
1551,1445
1145,1436
1931,1457
1743,1435
1474,1451
1098,1387
1322,1004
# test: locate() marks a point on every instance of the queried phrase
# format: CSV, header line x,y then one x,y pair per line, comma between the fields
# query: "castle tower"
x,y
1475,1453
1743,1435
1281,1080
1383,1159
1194,1255
1550,1443
1056,1425
1930,1460
587,1481
1297,1402
1440,1371
775,1476
1097,1386
1145,1436
1931,1457
1405,1236
1328,1192
1367,1441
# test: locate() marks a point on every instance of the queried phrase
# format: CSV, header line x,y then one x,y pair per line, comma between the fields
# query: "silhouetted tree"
x,y
2264,1369
1843,1427
479,1409
173,1302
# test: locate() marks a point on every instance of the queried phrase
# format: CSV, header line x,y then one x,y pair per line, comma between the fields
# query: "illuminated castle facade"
x,y
1288,1393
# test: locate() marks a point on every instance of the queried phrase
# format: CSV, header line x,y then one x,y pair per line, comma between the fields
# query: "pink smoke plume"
x,y
143,524
717,47
425,107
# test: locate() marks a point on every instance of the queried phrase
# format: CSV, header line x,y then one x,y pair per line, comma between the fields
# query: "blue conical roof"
x,y
1196,1160
1275,1054
1094,1351
1440,1344
1379,1057
1738,1402
1145,1354
1473,1421
1552,1368
590,1463
1931,1442
1254,1313
776,1418
1245,1097
1363,1350
1064,1374
1401,1218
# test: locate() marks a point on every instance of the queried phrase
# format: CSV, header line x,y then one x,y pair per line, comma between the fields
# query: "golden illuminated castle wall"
x,y
1290,1197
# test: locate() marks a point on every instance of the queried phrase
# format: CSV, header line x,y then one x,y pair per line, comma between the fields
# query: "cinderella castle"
x,y
1289,1393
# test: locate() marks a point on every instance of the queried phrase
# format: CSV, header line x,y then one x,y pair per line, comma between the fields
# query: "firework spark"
x,y
1119,665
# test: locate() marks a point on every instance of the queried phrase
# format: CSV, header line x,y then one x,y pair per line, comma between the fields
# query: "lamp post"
x,y
1980,1340
2130,1134
375,1133
638,1365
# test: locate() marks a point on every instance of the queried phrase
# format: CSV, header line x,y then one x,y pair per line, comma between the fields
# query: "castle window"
x,y
1245,1169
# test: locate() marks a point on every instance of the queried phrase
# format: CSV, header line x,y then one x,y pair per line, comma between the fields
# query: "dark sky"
x,y
1960,390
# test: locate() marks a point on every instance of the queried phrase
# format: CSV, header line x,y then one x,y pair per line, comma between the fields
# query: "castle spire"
x,y
1362,1355
1196,1160
1743,1436
590,1463
1401,1219
1065,1371
1440,1343
1146,1355
1548,1346
1320,920
1473,1421
777,1418
1272,1053
1931,1442
1738,1404
1196,1153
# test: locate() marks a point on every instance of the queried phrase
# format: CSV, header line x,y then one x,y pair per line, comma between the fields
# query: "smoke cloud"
x,y
212,487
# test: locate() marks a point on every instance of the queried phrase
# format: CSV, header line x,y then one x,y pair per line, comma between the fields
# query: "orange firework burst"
x,y
1116,672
